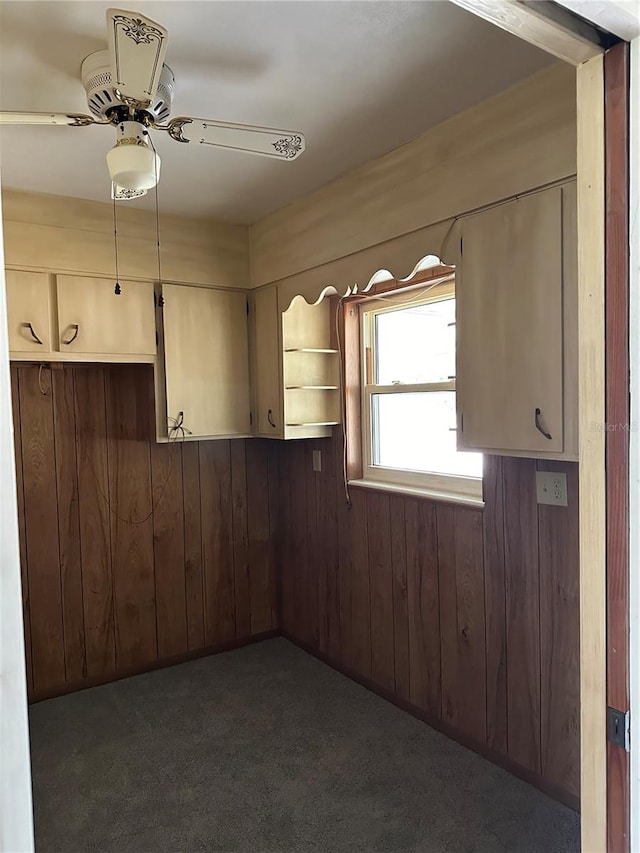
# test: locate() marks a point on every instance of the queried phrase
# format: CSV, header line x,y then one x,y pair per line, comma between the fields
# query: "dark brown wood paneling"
x,y
299,541
343,518
400,607
423,605
446,521
240,537
360,593
64,419
560,635
41,514
260,548
616,86
95,538
106,500
217,546
169,548
471,645
194,580
495,604
449,594
274,515
131,508
332,468
313,556
462,620
381,589
523,611
22,535
286,580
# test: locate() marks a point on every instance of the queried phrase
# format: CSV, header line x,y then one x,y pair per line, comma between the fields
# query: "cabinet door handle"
x,y
33,334
539,426
76,329
270,418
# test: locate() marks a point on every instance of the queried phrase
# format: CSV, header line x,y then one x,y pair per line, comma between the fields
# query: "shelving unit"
x,y
298,371
311,371
310,349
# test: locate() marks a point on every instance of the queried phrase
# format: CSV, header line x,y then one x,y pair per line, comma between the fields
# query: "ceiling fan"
x,y
129,87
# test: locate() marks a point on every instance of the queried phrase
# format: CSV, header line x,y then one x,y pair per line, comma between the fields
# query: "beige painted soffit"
x,y
543,24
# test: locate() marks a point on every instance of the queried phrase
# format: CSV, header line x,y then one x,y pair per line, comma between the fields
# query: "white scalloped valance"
x,y
399,257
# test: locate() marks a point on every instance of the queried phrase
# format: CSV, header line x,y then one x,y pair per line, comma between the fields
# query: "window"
x,y
409,395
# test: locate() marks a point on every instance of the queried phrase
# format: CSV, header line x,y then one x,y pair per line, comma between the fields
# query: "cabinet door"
x,y
268,363
94,319
509,327
206,359
29,312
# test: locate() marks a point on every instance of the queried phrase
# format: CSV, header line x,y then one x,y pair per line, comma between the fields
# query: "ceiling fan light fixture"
x,y
132,163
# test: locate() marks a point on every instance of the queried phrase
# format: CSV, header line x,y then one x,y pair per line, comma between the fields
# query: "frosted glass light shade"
x,y
134,167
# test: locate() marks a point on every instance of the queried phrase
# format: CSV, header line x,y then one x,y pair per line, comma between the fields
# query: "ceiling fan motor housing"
x,y
102,96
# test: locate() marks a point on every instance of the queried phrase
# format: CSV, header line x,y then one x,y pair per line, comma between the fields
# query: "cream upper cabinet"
x,y
268,360
296,367
202,380
93,318
516,374
29,312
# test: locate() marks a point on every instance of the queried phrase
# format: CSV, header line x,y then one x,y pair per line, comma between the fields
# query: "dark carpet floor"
x,y
265,749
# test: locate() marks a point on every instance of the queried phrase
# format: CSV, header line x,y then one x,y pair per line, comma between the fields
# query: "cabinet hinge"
x,y
157,340
161,301
250,418
247,307
461,421
461,245
619,728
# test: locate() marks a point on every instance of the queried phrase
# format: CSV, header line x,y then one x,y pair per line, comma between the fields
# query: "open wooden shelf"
x,y
316,424
311,349
313,388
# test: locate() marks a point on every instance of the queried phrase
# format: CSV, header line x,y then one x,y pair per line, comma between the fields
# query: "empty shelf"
x,y
312,388
315,424
310,349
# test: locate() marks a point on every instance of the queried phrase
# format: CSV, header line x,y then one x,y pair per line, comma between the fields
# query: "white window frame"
x,y
445,486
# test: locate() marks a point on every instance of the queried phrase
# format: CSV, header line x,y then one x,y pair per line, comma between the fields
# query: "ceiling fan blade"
x,y
72,119
137,47
282,144
123,194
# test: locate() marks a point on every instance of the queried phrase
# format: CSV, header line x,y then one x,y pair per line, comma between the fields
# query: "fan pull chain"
x,y
117,289
155,172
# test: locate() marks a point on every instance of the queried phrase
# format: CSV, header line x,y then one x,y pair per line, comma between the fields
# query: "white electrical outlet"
x,y
317,460
551,488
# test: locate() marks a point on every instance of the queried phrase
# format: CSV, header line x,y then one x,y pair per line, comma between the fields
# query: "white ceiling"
x,y
358,78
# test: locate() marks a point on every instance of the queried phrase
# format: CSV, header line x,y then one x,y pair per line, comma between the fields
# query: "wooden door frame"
x,y
618,419
603,257
634,450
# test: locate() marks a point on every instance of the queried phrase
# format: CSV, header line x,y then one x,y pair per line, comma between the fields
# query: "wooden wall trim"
x,y
470,614
520,139
591,404
435,722
552,29
616,83
69,235
172,660
132,552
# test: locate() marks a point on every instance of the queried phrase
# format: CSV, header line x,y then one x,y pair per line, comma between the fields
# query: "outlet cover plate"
x,y
551,488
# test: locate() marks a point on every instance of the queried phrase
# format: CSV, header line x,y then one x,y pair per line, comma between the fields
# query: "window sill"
x,y
417,492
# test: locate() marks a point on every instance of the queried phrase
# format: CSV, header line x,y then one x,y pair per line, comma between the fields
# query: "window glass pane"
x,y
416,432
416,344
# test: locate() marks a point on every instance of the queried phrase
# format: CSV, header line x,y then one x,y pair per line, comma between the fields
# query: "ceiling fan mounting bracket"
x,y
105,99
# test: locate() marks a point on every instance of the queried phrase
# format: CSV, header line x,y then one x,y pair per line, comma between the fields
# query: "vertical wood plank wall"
x,y
467,617
110,587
